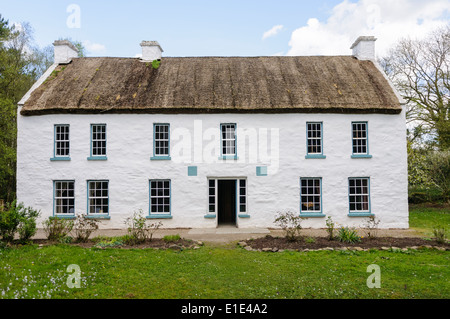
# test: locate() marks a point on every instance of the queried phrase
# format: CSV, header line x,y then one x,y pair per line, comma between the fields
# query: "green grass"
x,y
220,272
423,218
228,272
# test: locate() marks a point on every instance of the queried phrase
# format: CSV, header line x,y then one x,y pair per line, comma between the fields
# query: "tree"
x,y
21,64
420,70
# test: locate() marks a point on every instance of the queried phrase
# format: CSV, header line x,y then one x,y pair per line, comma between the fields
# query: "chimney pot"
x,y
364,48
64,51
151,50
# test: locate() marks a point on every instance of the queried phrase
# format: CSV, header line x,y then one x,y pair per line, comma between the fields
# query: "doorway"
x,y
226,202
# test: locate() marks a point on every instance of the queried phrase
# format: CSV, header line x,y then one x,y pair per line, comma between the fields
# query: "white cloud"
x,y
272,32
94,47
387,20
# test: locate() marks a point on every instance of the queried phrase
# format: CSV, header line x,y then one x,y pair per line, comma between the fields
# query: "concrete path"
x,y
229,234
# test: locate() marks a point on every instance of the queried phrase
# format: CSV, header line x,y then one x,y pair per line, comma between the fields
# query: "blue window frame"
x,y
98,197
61,144
98,142
311,197
160,198
64,198
360,140
314,140
161,141
359,196
228,141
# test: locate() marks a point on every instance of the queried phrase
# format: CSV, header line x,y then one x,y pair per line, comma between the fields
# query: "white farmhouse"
x,y
200,142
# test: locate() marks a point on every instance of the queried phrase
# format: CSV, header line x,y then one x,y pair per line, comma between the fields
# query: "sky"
x,y
227,28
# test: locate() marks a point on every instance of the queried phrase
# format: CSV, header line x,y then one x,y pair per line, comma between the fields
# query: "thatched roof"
x,y
338,84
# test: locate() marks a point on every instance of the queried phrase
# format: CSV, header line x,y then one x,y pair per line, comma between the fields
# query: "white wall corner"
x,y
151,50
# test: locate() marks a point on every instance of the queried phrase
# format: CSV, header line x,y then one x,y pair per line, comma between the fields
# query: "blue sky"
x,y
226,28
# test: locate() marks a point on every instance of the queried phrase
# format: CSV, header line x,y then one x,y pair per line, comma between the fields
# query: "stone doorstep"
x,y
245,245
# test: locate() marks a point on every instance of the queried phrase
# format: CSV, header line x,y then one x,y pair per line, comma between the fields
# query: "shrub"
x,y
330,228
18,218
56,228
83,228
438,169
348,235
371,227
140,229
440,233
290,223
171,238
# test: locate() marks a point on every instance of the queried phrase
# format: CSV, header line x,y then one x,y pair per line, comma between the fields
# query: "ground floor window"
x,y
64,197
160,196
98,197
359,194
311,195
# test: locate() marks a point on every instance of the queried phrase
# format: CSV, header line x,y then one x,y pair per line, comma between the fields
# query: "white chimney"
x,y
364,48
151,50
64,51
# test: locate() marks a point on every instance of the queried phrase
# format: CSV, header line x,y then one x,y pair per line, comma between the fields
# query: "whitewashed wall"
x,y
128,168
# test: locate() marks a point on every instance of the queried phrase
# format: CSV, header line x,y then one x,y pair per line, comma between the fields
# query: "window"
x,y
359,194
314,146
242,196
98,197
360,146
62,142
311,195
98,142
161,141
228,141
64,197
160,197
212,195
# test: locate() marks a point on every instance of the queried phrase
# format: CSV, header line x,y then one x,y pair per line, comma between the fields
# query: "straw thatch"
x,y
338,84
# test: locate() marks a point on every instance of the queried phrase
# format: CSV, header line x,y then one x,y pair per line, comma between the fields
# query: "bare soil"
x,y
154,243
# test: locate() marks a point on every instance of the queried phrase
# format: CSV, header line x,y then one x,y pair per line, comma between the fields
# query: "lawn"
x,y
424,217
220,272
228,271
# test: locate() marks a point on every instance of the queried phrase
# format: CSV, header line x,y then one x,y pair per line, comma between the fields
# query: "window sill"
x,y
228,157
93,216
161,216
361,156
97,158
160,158
65,216
211,216
57,159
312,215
360,214
319,156
243,215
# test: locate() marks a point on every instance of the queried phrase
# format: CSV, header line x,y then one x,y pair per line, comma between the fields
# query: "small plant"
x,y
371,227
56,228
290,223
348,235
65,240
310,240
104,242
139,229
156,64
440,234
83,228
171,238
330,228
